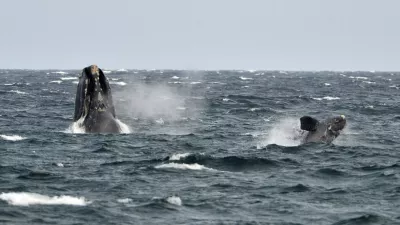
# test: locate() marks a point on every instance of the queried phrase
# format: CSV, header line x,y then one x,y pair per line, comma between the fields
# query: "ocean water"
x,y
201,147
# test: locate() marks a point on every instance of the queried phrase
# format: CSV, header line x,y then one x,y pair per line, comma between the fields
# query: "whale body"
x,y
325,131
94,108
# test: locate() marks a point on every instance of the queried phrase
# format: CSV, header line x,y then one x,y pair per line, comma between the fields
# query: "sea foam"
x,y
12,137
26,199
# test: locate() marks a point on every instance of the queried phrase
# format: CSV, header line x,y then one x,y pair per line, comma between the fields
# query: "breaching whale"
x,y
94,107
325,131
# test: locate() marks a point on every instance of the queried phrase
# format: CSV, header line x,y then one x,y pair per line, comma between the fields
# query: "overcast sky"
x,y
201,34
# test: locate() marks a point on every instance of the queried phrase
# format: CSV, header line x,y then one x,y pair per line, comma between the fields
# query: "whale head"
x,y
336,123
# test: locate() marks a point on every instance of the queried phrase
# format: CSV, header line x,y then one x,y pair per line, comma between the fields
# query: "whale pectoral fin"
x,y
308,123
80,96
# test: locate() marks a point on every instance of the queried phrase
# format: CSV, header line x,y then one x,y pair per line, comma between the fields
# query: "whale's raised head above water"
x,y
94,107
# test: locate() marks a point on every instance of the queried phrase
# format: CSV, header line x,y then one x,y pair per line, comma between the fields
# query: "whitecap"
x,y
160,121
122,70
246,78
121,83
369,82
12,137
68,78
9,84
124,200
195,82
225,99
26,199
178,156
254,109
175,77
107,71
18,92
359,78
326,98
56,81
60,72
175,82
327,84
182,166
114,78
180,108
75,82
60,165
175,200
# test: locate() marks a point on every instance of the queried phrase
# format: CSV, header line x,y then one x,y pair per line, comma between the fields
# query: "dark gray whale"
x,y
94,107
325,131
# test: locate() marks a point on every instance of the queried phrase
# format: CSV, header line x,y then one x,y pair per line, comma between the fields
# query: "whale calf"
x,y
94,108
325,131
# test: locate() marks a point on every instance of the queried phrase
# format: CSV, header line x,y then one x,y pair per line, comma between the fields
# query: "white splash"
x,y
12,137
77,127
68,78
178,156
26,199
326,98
56,81
182,166
121,83
160,121
285,132
124,128
246,78
124,200
175,200
60,72
18,92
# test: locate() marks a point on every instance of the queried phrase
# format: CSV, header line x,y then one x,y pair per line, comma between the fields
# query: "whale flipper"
x,y
308,123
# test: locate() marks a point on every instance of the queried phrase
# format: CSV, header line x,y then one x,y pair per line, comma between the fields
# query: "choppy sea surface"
x,y
203,147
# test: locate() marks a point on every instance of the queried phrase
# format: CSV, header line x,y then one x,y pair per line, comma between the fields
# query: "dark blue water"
x,y
204,147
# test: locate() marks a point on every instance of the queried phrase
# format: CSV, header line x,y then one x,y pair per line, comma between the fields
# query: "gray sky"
x,y
201,34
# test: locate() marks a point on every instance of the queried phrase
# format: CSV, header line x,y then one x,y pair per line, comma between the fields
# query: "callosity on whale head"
x,y
325,131
93,103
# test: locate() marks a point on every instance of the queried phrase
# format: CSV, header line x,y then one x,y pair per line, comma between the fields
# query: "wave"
x,y
182,166
18,92
326,98
69,78
124,200
121,83
26,199
174,200
12,137
56,81
60,72
227,163
246,78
